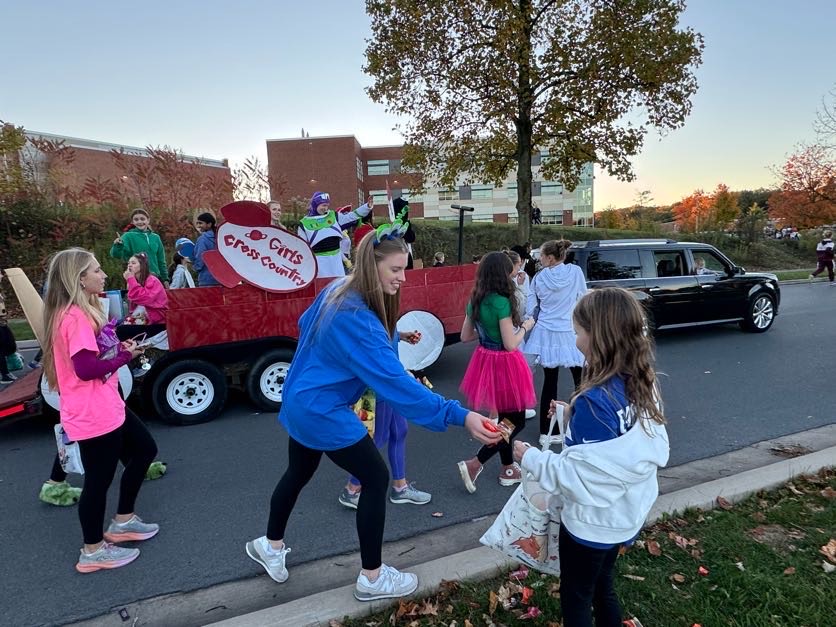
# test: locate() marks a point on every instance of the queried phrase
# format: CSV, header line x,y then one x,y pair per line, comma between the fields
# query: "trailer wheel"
x,y
189,392
265,380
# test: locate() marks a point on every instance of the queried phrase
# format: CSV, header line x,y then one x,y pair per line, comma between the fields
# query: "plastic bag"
x,y
68,452
528,527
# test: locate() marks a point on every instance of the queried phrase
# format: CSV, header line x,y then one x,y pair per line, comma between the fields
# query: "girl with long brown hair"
x,y
605,477
346,346
79,367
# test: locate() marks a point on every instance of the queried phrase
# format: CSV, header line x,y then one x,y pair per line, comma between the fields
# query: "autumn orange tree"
x,y
807,196
484,84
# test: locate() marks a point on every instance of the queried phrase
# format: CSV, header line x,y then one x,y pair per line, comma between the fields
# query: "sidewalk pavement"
x,y
482,563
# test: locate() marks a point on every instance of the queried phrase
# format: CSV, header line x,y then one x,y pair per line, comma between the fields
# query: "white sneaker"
x,y
529,414
546,441
390,584
271,559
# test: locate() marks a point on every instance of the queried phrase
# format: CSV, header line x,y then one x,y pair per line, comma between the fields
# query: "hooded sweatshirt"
x,y
205,242
148,242
605,477
555,291
152,296
824,250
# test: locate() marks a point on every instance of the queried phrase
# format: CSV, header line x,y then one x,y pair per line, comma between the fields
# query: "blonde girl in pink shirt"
x,y
79,361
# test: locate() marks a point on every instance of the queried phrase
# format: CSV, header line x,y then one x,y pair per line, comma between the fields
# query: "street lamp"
x,y
461,209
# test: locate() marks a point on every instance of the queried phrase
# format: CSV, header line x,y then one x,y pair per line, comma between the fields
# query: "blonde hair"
x,y
619,345
365,281
66,270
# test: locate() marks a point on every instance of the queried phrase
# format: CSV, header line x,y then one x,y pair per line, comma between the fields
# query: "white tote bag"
x,y
68,452
528,527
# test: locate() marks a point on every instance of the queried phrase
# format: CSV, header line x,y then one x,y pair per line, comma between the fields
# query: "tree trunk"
x,y
523,124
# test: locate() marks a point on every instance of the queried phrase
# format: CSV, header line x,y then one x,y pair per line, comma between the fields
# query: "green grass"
x,y
21,330
762,557
792,275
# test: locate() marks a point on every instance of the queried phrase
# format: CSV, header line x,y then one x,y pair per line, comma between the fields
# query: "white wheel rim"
x,y
762,312
190,393
272,380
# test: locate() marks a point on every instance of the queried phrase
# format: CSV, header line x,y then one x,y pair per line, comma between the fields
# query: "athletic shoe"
x,y
132,530
470,470
34,364
548,440
529,414
410,494
7,378
810,278
61,494
390,584
510,475
106,556
349,499
271,559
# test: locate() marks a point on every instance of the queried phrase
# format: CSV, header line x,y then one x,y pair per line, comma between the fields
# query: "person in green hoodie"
x,y
141,239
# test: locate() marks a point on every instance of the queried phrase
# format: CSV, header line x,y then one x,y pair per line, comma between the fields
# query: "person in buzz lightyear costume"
x,y
323,229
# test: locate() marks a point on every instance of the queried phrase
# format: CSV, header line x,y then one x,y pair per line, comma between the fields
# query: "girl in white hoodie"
x,y
605,477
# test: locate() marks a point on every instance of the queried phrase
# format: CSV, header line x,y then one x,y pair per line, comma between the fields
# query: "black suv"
x,y
681,283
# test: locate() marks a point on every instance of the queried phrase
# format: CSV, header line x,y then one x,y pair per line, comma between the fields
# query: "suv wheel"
x,y
760,314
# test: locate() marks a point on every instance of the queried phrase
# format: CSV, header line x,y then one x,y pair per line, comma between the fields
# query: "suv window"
x,y
669,262
607,265
706,262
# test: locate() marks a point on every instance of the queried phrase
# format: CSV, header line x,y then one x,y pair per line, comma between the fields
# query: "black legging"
x,y
133,445
504,448
362,460
549,393
57,475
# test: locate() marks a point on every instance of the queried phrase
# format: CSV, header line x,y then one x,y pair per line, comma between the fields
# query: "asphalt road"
x,y
724,390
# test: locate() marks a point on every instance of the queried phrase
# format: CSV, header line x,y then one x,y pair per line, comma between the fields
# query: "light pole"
x,y
461,209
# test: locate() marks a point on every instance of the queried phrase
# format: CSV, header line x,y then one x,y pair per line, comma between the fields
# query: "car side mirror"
x,y
736,270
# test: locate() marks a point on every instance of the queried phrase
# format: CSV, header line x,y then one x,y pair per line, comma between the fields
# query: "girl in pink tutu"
x,y
498,378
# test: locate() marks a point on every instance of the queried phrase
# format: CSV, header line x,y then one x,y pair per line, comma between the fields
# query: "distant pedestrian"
x,y
438,260
824,256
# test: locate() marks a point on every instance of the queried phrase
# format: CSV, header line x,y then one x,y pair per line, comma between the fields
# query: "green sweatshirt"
x,y
148,242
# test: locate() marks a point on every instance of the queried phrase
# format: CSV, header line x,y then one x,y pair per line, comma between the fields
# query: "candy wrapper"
x,y
365,408
504,427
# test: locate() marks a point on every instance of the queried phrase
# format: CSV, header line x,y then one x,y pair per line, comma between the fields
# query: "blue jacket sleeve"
x,y
199,248
368,349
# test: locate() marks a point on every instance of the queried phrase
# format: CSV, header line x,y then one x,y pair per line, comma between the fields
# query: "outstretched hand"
x,y
473,423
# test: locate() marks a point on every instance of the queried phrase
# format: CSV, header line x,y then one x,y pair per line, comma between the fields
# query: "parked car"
x,y
681,283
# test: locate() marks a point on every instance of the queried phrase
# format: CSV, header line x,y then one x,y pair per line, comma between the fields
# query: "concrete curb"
x,y
482,563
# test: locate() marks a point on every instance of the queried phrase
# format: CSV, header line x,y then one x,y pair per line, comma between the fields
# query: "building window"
x,y
512,191
360,199
448,194
380,197
481,192
378,167
359,168
551,189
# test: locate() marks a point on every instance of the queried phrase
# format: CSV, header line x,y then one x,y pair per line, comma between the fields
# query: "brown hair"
x,y
144,268
514,255
139,210
619,345
494,277
365,281
556,248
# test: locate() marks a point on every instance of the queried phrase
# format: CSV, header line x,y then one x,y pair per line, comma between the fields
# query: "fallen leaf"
x,y
828,493
639,544
829,550
406,608
789,571
634,577
554,589
492,601
678,578
696,553
527,593
723,503
795,490
759,516
438,514
828,568
702,570
449,609
538,584
428,609
740,566
467,623
763,504
519,574
790,450
653,548
449,586
334,623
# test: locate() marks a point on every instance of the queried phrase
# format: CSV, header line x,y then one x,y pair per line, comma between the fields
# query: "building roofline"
x,y
93,144
296,139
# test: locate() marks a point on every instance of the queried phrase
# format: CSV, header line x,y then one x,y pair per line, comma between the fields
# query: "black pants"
x,y
824,265
505,449
57,475
4,367
549,392
362,460
131,444
586,582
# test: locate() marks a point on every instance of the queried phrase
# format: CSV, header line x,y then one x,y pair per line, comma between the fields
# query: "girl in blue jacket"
x,y
345,346
605,477
206,224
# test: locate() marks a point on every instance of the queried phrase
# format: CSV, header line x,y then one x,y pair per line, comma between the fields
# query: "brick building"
x,y
350,172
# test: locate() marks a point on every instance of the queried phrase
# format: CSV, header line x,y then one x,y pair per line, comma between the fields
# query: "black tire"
x,y
189,392
760,313
265,379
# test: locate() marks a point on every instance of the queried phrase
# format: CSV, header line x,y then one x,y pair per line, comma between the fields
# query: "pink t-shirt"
x,y
88,408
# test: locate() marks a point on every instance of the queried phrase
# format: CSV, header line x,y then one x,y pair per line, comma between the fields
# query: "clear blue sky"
x,y
216,79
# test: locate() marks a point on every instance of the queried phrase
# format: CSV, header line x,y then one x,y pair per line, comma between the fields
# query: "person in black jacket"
x,y
8,345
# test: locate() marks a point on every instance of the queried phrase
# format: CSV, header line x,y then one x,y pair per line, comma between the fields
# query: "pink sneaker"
x,y
510,475
470,470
